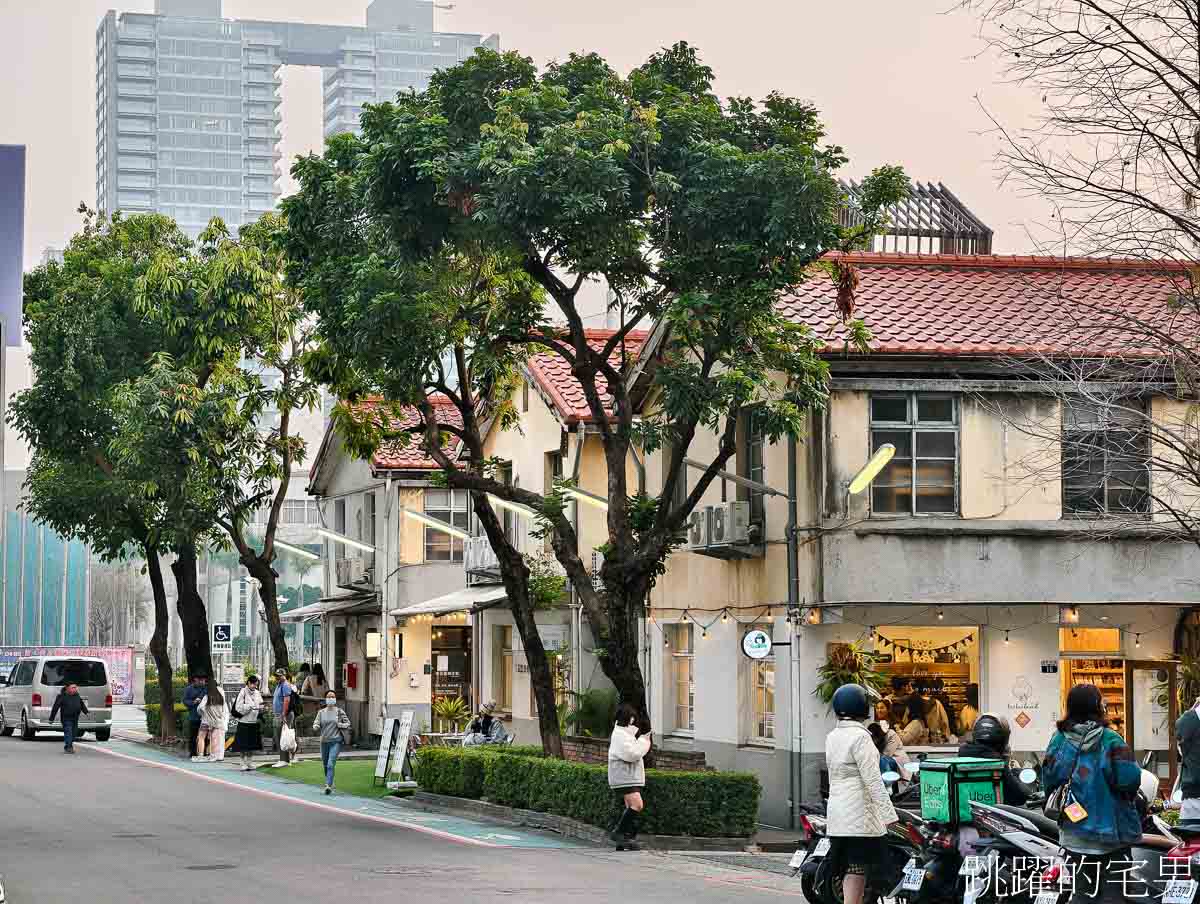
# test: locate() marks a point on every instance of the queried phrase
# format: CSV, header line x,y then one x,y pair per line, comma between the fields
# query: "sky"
x,y
903,81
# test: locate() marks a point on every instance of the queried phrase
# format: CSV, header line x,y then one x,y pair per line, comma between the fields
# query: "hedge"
x,y
154,719
703,804
154,694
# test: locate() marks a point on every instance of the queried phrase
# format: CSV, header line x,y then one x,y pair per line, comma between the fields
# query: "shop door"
x,y
1152,706
376,697
452,663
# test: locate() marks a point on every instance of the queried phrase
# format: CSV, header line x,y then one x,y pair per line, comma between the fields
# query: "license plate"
x,y
797,860
822,848
973,866
914,877
1180,891
1046,897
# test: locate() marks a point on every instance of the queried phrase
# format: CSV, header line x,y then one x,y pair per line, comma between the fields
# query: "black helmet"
x,y
991,731
850,702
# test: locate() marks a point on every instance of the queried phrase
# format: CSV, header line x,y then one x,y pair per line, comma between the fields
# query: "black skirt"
x,y
248,738
860,853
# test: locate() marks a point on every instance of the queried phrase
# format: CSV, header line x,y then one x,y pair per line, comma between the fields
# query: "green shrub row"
x,y
154,719
704,804
154,693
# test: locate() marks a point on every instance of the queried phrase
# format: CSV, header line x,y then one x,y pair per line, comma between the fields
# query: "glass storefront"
x,y
934,679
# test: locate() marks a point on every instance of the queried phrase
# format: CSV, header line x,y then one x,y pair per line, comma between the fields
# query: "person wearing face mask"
x,y
333,725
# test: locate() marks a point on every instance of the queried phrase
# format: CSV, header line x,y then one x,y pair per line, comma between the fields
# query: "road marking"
x,y
395,823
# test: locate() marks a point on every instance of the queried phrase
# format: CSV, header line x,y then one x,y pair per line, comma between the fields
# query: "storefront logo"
x,y
756,644
1023,719
1022,690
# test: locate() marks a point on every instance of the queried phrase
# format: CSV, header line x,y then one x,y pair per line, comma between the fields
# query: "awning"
x,y
358,603
458,601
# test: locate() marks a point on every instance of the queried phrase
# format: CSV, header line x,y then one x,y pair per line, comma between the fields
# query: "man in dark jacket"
x,y
71,706
192,695
989,741
1187,734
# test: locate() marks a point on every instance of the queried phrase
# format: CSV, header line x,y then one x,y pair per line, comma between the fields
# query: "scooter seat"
x,y
1046,826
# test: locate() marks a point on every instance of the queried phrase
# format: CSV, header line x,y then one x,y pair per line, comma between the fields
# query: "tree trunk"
x,y
196,642
268,592
158,642
619,632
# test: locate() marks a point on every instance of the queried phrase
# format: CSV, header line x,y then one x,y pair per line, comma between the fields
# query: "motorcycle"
x,y
814,849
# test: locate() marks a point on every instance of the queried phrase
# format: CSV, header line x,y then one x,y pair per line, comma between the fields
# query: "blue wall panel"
x,y
30,598
53,561
12,579
76,593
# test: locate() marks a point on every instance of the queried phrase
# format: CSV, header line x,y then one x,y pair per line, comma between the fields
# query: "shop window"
x,y
1106,458
760,683
368,531
560,674
1105,672
922,478
502,676
938,665
683,683
449,506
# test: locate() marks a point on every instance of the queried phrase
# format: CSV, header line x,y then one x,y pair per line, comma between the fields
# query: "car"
x,y
27,695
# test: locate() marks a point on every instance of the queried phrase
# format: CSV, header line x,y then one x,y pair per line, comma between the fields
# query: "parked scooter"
x,y
814,845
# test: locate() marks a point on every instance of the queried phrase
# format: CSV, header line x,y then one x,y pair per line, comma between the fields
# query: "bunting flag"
x,y
958,646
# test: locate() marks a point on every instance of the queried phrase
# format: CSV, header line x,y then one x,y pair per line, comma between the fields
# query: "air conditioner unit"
x,y
597,564
729,523
351,571
697,528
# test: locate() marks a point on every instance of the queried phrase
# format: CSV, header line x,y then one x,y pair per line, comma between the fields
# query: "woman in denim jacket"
x,y
1100,819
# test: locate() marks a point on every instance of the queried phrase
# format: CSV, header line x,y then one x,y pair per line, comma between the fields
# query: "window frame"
x,y
752,464
505,669
1106,427
679,656
753,669
914,426
456,543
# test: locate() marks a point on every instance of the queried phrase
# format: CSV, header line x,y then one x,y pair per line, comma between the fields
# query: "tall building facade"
x,y
188,104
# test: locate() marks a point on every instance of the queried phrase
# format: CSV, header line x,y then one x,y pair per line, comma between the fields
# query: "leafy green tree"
x,y
87,339
452,237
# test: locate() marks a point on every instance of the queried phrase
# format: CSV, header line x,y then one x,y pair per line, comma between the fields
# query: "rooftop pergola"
x,y
930,221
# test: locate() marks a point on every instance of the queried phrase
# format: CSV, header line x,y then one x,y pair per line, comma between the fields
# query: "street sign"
x,y
222,638
233,673
756,644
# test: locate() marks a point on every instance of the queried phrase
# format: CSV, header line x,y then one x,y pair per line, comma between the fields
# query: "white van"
x,y
28,693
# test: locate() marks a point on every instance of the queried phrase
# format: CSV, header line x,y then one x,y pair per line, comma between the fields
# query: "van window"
x,y
23,675
84,672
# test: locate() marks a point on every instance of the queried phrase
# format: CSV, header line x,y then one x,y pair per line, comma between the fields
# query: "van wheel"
x,y
27,733
6,730
103,734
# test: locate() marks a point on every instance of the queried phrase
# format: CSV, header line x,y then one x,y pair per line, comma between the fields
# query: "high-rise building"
x,y
188,104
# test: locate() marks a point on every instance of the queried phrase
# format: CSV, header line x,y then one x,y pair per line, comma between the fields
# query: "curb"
x,y
562,825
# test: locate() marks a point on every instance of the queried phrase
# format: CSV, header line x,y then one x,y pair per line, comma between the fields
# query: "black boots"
x,y
625,831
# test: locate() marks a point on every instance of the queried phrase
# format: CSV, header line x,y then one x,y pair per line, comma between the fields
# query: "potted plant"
x,y
451,711
847,664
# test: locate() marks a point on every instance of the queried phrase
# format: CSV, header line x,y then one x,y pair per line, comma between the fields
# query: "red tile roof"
x,y
990,305
553,375
410,456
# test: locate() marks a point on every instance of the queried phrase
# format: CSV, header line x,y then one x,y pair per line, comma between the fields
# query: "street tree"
x,y
452,237
86,339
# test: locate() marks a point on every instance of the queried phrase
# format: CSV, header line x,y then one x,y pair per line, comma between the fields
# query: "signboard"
x,y
387,742
222,638
756,644
402,735
233,673
117,660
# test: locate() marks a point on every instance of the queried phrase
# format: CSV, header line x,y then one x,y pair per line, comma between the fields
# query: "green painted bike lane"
x,y
453,828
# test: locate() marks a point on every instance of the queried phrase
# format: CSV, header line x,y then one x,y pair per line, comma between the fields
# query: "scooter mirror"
x,y
890,778
912,768
1028,776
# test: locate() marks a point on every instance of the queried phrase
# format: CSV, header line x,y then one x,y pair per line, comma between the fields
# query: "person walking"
x,y
247,709
859,807
70,705
627,774
330,723
315,684
214,720
192,695
281,704
1099,818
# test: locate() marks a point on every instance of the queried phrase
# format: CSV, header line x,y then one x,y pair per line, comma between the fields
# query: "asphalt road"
x,y
110,827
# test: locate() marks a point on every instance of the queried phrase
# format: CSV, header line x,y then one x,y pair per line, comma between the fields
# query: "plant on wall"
x,y
847,664
593,712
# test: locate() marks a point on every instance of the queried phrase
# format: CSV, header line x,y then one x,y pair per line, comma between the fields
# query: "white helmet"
x,y
1149,786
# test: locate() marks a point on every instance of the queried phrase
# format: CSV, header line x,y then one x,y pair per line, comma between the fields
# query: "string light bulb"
x,y
941,613
1137,640
684,617
1006,638
724,616
703,633
666,640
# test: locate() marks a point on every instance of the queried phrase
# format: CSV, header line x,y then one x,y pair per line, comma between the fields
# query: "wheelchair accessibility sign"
x,y
222,638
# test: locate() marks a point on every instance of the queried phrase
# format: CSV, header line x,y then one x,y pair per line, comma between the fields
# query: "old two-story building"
x,y
991,559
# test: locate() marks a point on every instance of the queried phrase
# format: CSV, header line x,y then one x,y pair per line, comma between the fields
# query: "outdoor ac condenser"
x,y
729,523
698,528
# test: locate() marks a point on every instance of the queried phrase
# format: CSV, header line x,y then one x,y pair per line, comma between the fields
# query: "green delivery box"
x,y
948,786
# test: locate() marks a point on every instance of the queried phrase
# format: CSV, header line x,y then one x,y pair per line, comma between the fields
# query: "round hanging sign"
x,y
756,644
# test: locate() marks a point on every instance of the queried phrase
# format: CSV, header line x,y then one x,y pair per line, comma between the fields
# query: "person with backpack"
x,y
247,709
214,721
192,695
284,706
1098,815
859,808
989,741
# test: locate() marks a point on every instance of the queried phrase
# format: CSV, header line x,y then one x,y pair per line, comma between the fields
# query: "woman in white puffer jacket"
x,y
859,807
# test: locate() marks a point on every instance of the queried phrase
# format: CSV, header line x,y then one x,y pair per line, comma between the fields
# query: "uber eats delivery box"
x,y
948,786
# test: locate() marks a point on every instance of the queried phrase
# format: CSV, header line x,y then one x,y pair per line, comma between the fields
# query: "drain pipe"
x,y
793,600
